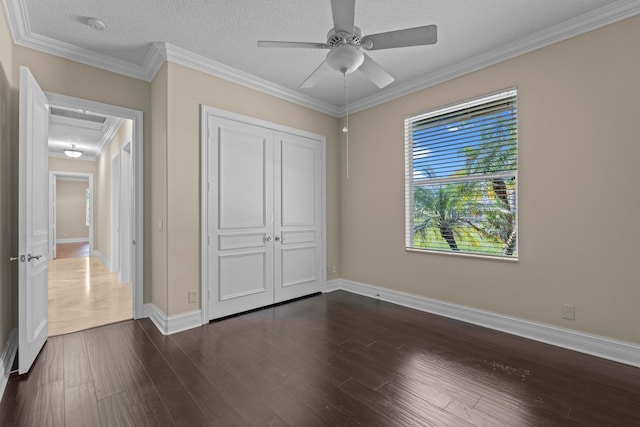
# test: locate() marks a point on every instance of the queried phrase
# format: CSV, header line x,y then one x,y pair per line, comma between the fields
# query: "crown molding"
x,y
156,57
22,35
217,69
16,19
110,132
158,53
598,18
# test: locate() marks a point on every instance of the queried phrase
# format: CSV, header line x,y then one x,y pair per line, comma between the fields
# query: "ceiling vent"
x,y
77,115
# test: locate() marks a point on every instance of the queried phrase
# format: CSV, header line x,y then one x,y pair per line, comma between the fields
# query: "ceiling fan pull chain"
x,y
345,129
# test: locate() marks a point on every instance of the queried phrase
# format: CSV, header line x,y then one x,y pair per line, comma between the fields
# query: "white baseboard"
x,y
595,345
172,324
73,240
6,359
102,258
333,285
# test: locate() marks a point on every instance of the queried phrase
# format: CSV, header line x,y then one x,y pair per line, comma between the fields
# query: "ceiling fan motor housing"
x,y
336,38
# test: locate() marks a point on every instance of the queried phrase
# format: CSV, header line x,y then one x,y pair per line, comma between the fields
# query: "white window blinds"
x,y
461,166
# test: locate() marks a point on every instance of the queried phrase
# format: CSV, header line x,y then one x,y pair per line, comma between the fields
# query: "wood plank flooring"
x,y
332,360
72,250
84,294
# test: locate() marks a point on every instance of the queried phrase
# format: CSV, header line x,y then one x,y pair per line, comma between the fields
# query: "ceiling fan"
x,y
345,42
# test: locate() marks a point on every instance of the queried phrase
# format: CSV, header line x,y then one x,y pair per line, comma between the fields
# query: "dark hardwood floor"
x,y
72,250
332,360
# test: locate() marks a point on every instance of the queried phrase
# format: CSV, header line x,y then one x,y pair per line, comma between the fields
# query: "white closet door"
x,y
240,216
298,216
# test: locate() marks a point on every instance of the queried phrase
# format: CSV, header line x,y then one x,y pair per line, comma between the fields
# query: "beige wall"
x,y
8,191
71,209
187,90
158,236
102,200
578,190
60,164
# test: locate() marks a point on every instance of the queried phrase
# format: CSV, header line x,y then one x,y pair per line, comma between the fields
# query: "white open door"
x,y
33,221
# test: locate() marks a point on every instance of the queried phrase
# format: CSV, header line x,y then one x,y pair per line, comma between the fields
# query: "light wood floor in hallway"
x,y
84,294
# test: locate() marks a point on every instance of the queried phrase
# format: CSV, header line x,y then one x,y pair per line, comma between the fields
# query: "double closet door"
x,y
264,216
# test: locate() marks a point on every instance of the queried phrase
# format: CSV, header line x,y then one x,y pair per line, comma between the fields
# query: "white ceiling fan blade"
x,y
375,72
343,12
316,76
268,43
401,38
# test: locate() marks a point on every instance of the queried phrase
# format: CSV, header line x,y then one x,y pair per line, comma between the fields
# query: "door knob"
x,y
30,257
277,238
16,258
268,239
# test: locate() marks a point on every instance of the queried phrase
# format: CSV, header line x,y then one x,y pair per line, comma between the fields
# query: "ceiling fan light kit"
x,y
345,43
345,58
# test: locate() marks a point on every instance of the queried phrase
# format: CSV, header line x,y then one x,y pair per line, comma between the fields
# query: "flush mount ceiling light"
x,y
72,152
96,24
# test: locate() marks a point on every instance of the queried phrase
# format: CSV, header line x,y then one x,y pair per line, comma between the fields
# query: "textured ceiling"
x,y
227,31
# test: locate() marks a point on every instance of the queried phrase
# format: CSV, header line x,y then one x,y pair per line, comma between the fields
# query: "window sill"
x,y
464,254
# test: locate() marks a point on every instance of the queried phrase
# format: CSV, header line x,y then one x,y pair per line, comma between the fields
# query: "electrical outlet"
x,y
333,269
568,312
192,296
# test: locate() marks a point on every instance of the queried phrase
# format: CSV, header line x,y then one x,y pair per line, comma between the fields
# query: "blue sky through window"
x,y
439,147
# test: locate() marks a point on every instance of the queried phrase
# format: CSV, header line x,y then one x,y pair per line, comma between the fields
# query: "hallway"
x,y
83,293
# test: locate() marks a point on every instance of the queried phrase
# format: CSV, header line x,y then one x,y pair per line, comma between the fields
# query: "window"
x,y
461,167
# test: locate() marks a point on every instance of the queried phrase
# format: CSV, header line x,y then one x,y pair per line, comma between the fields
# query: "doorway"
x,y
106,284
76,223
86,286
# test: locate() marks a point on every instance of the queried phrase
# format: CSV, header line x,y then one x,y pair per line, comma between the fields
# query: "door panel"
x,y
242,174
298,174
298,266
33,221
240,218
239,241
298,204
242,275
